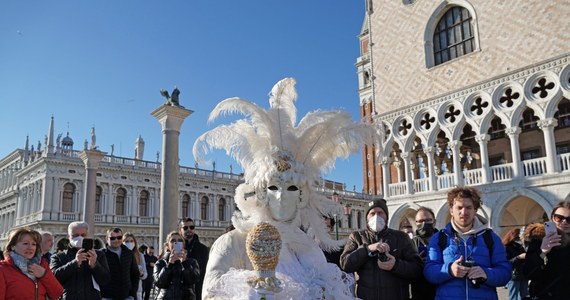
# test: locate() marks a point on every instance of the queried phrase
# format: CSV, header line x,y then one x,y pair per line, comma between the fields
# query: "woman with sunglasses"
x,y
175,274
548,258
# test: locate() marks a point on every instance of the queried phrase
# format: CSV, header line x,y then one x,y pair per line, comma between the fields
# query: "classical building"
x,y
472,93
45,189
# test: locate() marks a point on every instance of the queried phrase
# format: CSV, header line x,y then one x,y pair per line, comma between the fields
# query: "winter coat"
x,y
514,249
421,288
125,275
16,285
176,281
438,265
77,280
200,253
374,283
548,280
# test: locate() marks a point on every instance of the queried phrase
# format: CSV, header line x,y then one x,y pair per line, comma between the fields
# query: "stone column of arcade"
x,y
171,116
91,158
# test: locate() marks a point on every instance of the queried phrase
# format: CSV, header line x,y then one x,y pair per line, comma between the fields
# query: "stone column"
x,y
483,139
408,172
552,162
429,151
513,133
170,118
457,172
386,176
91,159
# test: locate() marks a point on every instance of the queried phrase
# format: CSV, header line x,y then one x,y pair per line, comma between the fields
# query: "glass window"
x,y
453,36
143,204
67,201
221,206
185,206
204,208
98,195
120,202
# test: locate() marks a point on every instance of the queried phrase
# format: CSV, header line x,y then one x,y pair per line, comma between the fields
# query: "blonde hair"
x,y
136,248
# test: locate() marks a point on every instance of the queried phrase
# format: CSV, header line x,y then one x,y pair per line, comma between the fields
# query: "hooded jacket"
x,y
374,283
470,245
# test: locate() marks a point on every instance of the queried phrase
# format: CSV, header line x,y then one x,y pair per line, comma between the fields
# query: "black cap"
x,y
377,203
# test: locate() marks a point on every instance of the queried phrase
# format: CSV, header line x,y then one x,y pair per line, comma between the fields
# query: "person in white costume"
x,y
282,164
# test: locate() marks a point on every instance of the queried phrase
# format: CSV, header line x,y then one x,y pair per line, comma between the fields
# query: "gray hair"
x,y
77,224
44,232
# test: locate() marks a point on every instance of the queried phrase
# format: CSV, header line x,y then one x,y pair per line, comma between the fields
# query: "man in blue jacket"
x,y
469,261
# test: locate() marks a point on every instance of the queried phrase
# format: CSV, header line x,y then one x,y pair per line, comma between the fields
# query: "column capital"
x,y
429,150
545,124
405,155
91,158
385,160
171,117
513,131
482,138
454,144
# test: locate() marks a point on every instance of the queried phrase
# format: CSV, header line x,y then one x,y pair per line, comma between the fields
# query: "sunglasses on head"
x,y
186,227
559,218
176,240
112,238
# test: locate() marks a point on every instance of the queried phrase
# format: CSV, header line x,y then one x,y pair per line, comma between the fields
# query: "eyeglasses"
x,y
175,240
559,218
191,227
112,238
424,221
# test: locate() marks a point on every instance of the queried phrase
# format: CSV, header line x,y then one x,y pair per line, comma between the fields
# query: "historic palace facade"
x,y
467,92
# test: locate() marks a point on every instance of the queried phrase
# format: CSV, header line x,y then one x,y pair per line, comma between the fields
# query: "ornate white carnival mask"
x,y
282,200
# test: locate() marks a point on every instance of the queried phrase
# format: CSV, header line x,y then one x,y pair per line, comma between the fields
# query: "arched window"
x,y
453,36
349,221
143,203
359,220
185,206
221,206
98,195
204,208
67,199
120,202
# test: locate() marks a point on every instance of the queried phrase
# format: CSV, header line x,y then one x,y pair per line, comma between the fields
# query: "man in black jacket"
x,y
195,250
80,272
123,267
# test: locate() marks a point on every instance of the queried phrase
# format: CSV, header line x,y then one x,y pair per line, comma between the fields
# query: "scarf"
x,y
22,263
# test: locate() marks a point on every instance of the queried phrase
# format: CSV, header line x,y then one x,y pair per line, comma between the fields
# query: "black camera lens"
x,y
382,257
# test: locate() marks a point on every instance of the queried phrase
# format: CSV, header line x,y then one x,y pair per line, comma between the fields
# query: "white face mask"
x,y
282,200
376,223
76,242
130,245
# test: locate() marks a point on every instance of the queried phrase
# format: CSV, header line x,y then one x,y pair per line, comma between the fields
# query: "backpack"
x,y
487,237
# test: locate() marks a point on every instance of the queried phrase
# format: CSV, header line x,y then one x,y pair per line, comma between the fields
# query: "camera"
x,y
382,257
467,263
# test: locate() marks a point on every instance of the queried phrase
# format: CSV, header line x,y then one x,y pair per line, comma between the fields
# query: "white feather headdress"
x,y
267,143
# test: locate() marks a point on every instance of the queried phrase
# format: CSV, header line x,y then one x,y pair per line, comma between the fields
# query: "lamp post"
x,y
335,198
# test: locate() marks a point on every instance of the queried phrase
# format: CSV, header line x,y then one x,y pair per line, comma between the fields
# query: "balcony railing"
x,y
502,172
564,162
534,167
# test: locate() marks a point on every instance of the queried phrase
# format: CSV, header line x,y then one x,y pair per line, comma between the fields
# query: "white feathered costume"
x,y
278,158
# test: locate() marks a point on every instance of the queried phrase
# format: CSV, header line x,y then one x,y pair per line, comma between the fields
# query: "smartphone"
x,y
177,247
422,251
87,244
549,228
468,263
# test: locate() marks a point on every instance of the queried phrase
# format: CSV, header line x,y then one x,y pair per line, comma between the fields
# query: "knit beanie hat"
x,y
377,203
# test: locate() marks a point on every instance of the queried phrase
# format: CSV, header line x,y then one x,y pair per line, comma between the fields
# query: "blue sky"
x,y
102,64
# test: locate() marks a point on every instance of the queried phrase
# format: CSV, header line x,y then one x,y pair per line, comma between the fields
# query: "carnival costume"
x,y
282,165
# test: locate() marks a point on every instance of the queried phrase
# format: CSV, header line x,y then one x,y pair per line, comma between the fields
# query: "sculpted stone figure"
x,y
173,99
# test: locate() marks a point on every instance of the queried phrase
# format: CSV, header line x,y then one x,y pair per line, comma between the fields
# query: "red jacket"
x,y
16,285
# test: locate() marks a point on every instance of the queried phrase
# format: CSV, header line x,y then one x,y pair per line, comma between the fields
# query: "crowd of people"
x,y
82,268
464,260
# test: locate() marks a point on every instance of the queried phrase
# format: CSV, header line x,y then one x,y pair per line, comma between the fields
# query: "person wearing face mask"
x,y
80,272
384,259
130,241
425,218
25,273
